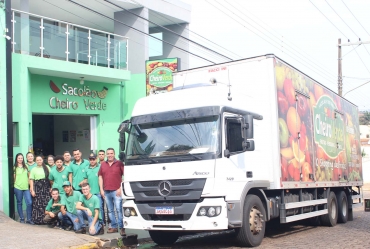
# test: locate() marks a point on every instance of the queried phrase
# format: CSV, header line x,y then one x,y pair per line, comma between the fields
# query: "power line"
x,y
362,61
328,19
97,12
355,17
351,50
341,18
223,11
189,31
295,50
167,29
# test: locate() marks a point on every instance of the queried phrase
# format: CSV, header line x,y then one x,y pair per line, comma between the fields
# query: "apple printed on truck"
x,y
319,140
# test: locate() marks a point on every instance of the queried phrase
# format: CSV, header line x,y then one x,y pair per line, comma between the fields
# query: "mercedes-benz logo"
x,y
164,188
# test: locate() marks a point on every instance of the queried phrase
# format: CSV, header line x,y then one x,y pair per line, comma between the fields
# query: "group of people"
x,y
66,193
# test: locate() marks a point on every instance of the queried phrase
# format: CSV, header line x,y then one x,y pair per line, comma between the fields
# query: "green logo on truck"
x,y
328,126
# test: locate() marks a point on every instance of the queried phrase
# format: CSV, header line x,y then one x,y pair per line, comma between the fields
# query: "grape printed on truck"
x,y
318,131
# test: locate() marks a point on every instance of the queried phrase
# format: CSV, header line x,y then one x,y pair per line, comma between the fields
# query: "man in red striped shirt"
x,y
110,179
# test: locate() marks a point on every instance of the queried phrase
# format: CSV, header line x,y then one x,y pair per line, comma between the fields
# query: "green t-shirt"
x,y
92,203
91,174
38,173
59,177
50,207
78,172
21,178
31,166
70,202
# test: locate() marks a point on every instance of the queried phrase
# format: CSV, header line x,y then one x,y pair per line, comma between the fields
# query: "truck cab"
x,y
183,169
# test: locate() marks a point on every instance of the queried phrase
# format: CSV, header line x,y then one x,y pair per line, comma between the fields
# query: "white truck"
x,y
236,145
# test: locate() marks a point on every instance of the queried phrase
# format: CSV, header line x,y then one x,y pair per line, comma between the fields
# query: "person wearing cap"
x,y
91,177
68,211
110,179
59,174
78,166
89,204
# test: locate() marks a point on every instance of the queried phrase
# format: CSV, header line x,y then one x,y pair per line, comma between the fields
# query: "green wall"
x,y
133,90
33,94
4,185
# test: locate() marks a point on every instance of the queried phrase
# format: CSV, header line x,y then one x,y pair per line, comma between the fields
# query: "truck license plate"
x,y
164,210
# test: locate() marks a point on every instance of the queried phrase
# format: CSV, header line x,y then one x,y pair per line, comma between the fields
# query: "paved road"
x,y
354,234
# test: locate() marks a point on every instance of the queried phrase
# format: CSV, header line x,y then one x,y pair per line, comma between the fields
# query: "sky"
x,y
303,33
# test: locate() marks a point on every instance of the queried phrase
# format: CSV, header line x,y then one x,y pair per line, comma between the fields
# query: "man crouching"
x,y
52,209
89,204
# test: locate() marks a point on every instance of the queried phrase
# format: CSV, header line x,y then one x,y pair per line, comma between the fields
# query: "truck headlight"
x,y
129,211
209,211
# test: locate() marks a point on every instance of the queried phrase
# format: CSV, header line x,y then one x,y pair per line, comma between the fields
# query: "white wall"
x,y
364,130
71,123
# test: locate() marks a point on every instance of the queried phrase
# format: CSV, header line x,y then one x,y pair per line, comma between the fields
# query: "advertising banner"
x,y
319,131
159,75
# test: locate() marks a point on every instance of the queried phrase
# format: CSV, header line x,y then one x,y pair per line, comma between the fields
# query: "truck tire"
x,y
330,219
253,227
163,238
342,207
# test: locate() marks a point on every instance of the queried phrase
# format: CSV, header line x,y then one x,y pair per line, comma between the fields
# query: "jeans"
x,y
90,220
69,218
114,201
101,206
19,195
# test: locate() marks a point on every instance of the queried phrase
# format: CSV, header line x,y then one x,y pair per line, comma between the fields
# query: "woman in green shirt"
x,y
51,161
21,189
40,190
30,161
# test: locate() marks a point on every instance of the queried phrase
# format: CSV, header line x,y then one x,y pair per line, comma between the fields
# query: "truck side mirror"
x,y
247,128
123,127
122,141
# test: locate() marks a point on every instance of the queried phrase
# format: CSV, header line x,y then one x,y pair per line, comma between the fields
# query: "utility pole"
x,y
340,78
340,82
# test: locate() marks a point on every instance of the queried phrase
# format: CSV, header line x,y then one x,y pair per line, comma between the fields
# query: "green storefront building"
x,y
74,81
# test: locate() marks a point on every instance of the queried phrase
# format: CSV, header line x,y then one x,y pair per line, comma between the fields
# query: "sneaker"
x,y
82,230
112,230
30,222
101,231
21,221
68,228
122,232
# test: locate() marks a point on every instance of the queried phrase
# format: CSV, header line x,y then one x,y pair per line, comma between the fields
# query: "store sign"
x,y
159,75
92,99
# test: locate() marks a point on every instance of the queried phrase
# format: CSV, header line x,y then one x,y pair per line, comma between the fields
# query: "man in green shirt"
x,y
59,174
52,209
89,204
78,166
91,177
67,158
68,212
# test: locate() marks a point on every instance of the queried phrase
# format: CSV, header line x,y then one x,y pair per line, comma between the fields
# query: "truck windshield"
x,y
186,139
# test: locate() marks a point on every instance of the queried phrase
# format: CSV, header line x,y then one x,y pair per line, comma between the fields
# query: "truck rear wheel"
x,y
342,207
163,238
330,219
253,227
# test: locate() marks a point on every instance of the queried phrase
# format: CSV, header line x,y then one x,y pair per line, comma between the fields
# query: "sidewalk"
x,y
15,235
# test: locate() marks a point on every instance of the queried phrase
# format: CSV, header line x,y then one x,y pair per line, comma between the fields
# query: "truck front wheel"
x,y
163,238
253,227
330,219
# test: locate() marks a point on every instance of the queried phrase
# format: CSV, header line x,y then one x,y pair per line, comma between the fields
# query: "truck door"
x,y
230,169
302,144
340,171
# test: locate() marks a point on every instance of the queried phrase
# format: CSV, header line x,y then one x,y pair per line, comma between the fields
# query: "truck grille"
x,y
176,217
181,190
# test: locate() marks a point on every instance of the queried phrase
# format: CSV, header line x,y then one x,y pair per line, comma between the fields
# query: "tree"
x,y
365,118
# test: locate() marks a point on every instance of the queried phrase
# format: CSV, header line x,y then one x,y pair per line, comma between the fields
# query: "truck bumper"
x,y
195,223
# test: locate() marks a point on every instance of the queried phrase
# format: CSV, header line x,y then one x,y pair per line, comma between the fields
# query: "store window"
x,y
15,134
155,45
